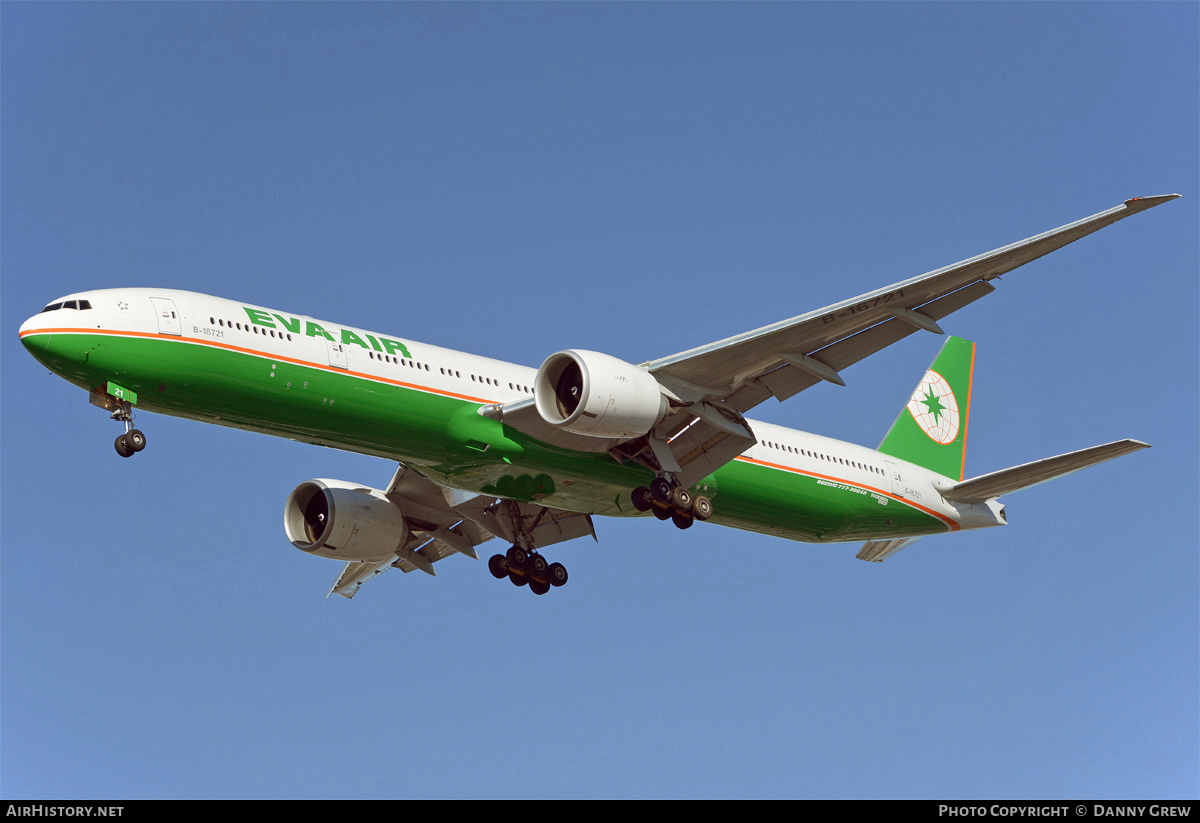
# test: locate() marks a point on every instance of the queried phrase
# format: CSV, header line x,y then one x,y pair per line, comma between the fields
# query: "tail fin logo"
x,y
935,408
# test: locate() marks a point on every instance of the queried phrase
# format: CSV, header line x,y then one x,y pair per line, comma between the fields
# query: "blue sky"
x,y
513,179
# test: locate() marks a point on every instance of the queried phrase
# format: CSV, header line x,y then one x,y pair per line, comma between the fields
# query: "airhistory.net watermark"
x,y
45,810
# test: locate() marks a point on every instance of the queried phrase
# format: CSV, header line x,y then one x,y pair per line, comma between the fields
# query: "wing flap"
x,y
354,574
702,449
543,526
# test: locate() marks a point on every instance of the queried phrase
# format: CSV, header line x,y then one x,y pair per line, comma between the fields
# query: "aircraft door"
x,y
168,318
896,478
337,354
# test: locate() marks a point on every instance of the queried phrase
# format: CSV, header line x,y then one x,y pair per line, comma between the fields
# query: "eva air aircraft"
x,y
492,449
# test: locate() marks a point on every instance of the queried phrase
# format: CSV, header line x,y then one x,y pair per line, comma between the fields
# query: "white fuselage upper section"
x,y
271,333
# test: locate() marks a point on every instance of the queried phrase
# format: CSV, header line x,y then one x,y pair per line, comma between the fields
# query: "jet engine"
x,y
589,393
344,521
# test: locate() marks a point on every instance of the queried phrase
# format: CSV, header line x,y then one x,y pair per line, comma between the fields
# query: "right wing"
x,y
785,358
710,387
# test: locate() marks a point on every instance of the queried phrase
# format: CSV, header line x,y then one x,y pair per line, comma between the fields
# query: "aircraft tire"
x,y
537,564
661,489
498,566
681,499
557,574
683,520
538,587
518,580
517,557
122,446
702,507
641,498
661,513
135,440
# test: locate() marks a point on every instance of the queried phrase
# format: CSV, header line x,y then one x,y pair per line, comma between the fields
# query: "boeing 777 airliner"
x,y
492,449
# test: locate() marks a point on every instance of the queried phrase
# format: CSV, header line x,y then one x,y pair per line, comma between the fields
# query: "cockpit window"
x,y
67,304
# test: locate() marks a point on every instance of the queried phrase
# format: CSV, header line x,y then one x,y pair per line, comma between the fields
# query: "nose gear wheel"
x,y
132,441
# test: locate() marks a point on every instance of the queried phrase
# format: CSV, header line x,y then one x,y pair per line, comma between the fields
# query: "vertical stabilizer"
x,y
931,430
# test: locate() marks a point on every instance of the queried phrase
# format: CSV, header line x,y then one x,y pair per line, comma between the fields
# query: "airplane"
x,y
490,449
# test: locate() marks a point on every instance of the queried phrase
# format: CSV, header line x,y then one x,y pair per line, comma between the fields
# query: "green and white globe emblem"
x,y
935,408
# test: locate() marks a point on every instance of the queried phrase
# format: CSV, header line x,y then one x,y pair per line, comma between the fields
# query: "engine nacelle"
x,y
586,392
345,521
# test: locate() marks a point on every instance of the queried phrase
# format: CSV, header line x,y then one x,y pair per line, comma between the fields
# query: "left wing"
x,y
455,522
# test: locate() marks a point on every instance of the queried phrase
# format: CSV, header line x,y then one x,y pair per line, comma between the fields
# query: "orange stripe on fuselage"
x,y
263,354
890,495
334,369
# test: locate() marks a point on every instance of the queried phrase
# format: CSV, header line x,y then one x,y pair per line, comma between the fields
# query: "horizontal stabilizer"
x,y
876,551
989,486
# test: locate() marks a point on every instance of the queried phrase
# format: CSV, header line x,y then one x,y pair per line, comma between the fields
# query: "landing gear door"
x,y
168,317
337,355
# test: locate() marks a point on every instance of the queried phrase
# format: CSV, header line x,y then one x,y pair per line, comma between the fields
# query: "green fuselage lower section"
x,y
446,439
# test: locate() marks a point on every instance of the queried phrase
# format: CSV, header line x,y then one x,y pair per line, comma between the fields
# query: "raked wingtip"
x,y
1141,203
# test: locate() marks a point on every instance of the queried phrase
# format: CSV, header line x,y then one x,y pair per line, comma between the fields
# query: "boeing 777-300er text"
x,y
488,448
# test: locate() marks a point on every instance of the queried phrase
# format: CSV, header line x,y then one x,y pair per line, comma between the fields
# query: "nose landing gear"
x,y
132,441
119,400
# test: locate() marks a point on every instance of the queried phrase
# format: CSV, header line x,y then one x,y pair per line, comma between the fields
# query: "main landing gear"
x,y
132,441
526,569
669,501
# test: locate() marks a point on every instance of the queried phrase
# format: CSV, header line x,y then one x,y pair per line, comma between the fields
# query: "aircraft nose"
x,y
35,336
